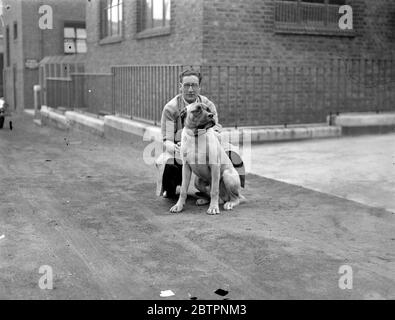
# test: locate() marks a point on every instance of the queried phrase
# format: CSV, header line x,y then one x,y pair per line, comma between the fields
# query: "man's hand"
x,y
178,148
172,148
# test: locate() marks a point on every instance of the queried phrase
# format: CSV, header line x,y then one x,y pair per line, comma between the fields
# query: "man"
x,y
169,163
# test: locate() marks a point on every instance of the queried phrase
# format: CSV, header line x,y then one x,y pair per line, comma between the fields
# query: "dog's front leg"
x,y
186,178
214,193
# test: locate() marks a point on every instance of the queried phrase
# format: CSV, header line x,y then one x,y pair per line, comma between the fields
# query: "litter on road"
x,y
166,293
221,292
2,237
190,297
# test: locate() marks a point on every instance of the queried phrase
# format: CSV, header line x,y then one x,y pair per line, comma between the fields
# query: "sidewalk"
x,y
361,168
114,126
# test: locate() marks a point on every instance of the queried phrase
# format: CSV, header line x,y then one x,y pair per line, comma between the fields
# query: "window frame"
x,y
312,27
75,25
106,7
152,31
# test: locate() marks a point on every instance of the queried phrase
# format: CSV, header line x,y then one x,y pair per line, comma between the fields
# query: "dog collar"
x,y
199,131
195,133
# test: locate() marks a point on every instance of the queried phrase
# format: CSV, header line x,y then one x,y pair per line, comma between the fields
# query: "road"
x,y
360,168
85,206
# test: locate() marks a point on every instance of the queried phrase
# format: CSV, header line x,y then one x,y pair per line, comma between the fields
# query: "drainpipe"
x,y
41,38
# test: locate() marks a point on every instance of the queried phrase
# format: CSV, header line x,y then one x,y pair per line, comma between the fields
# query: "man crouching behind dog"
x,y
202,131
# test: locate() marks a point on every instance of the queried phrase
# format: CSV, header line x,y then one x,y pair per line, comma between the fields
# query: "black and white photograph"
x,y
210,151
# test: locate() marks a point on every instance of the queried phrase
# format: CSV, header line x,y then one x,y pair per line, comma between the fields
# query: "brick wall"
x,y
34,43
234,32
13,78
182,46
243,32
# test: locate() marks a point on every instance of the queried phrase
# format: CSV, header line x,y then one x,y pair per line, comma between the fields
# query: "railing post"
x,y
324,87
294,93
227,92
237,98
326,22
379,89
219,85
245,94
271,95
284,96
253,90
345,84
36,91
278,107
298,11
386,85
358,85
261,104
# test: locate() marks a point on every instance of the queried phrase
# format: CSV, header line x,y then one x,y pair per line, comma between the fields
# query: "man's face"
x,y
190,88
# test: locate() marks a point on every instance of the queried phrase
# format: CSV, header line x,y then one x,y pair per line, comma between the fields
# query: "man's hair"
x,y
191,72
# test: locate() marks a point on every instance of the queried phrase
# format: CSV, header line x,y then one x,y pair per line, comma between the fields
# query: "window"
x,y
308,15
75,39
155,14
15,30
111,22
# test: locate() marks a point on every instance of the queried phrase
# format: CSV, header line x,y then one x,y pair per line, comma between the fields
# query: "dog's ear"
x,y
193,107
183,114
198,107
205,107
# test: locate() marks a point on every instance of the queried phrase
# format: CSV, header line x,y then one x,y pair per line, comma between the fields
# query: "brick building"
x,y
264,62
276,56
234,32
25,43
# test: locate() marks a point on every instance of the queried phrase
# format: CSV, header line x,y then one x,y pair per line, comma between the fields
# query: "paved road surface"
x,y
356,168
86,207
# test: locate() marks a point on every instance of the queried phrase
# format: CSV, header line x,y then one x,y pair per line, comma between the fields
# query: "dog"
x,y
201,153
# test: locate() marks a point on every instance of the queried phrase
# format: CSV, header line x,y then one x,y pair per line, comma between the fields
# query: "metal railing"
x,y
302,14
92,92
59,93
89,92
140,92
276,94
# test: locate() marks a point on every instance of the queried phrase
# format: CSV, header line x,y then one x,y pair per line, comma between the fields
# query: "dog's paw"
x,y
213,210
202,202
176,208
229,205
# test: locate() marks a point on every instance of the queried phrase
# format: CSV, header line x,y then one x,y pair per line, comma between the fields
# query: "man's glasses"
x,y
194,86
